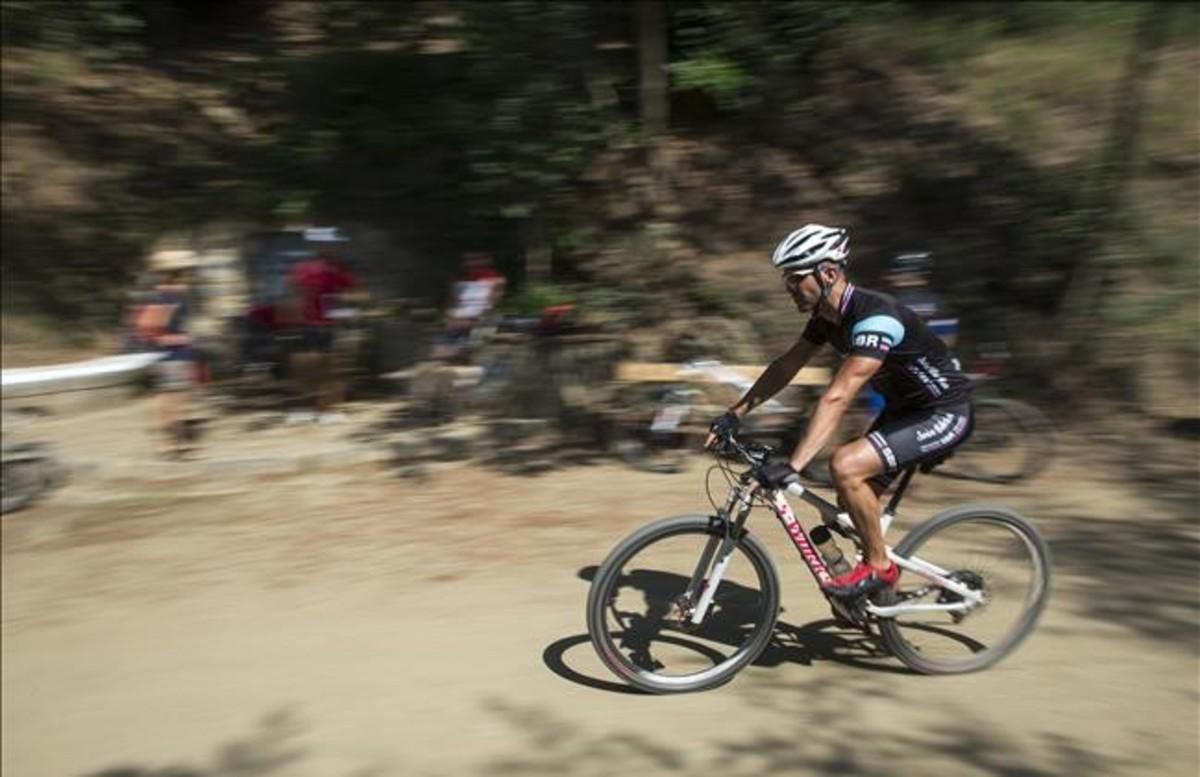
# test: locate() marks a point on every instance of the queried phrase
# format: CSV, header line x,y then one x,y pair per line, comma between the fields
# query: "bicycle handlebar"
x,y
755,455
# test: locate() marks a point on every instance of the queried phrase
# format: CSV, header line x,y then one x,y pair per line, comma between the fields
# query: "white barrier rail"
x,y
99,373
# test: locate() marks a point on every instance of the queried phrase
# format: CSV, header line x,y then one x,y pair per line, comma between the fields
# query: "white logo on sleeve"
x,y
872,340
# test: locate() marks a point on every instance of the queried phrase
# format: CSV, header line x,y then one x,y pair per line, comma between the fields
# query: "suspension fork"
x,y
707,576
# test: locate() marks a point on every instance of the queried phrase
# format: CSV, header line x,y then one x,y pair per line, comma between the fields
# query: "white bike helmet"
x,y
810,245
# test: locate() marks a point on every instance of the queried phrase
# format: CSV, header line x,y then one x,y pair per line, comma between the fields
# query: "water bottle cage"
x,y
831,522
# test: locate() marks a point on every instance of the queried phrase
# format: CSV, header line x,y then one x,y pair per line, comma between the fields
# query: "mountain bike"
x,y
685,603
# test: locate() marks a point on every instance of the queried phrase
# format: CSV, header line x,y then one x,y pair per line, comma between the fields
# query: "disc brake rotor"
x,y
973,581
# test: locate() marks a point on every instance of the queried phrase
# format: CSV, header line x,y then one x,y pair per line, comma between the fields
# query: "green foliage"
x,y
623,307
722,79
738,53
487,135
1163,285
479,126
533,298
714,301
102,31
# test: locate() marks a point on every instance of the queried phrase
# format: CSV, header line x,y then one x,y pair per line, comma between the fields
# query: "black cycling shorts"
x,y
905,438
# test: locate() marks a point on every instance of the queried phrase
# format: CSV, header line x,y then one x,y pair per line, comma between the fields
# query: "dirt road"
x,y
353,623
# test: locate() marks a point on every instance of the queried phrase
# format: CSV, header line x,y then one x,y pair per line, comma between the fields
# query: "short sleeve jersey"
x,y
918,370
178,302
178,323
317,280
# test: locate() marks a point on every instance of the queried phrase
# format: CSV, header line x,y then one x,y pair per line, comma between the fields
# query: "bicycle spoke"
x,y
648,616
984,555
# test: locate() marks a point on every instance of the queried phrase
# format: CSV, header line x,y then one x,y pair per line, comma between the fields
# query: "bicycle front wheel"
x,y
642,597
989,550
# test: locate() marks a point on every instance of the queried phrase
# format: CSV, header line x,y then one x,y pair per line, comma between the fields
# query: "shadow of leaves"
x,y
1139,574
836,746
267,751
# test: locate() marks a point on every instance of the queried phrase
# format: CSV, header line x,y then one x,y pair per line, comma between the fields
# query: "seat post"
x,y
894,502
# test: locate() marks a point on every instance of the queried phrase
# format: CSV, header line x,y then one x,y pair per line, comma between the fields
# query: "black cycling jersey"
x,y
918,370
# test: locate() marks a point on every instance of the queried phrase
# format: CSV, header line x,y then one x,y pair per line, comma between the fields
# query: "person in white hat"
x,y
162,321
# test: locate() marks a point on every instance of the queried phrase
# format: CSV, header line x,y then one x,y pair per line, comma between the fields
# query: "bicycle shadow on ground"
x,y
821,640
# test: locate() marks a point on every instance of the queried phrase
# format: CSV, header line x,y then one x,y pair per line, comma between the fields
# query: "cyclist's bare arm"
x,y
850,378
776,376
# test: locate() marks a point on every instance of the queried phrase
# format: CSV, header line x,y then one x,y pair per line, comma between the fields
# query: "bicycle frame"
x,y
741,498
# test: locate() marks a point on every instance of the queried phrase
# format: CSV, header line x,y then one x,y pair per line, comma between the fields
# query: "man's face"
x,y
804,288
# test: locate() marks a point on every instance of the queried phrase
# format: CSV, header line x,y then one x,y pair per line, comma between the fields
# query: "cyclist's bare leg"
x,y
853,466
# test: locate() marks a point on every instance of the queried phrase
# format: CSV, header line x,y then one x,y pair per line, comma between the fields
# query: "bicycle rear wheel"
x,y
990,549
642,595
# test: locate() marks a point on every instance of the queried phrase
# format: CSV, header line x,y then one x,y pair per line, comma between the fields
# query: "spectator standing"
x,y
162,321
314,286
472,296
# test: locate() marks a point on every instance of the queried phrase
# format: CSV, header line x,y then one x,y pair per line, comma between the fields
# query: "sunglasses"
x,y
792,280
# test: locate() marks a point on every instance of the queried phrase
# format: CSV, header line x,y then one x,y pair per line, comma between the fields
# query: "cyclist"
x,y
909,284
908,281
928,398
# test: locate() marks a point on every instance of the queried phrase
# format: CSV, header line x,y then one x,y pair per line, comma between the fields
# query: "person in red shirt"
x,y
315,285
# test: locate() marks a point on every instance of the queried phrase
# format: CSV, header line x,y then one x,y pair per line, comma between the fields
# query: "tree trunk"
x,y
650,19
1078,310
538,252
